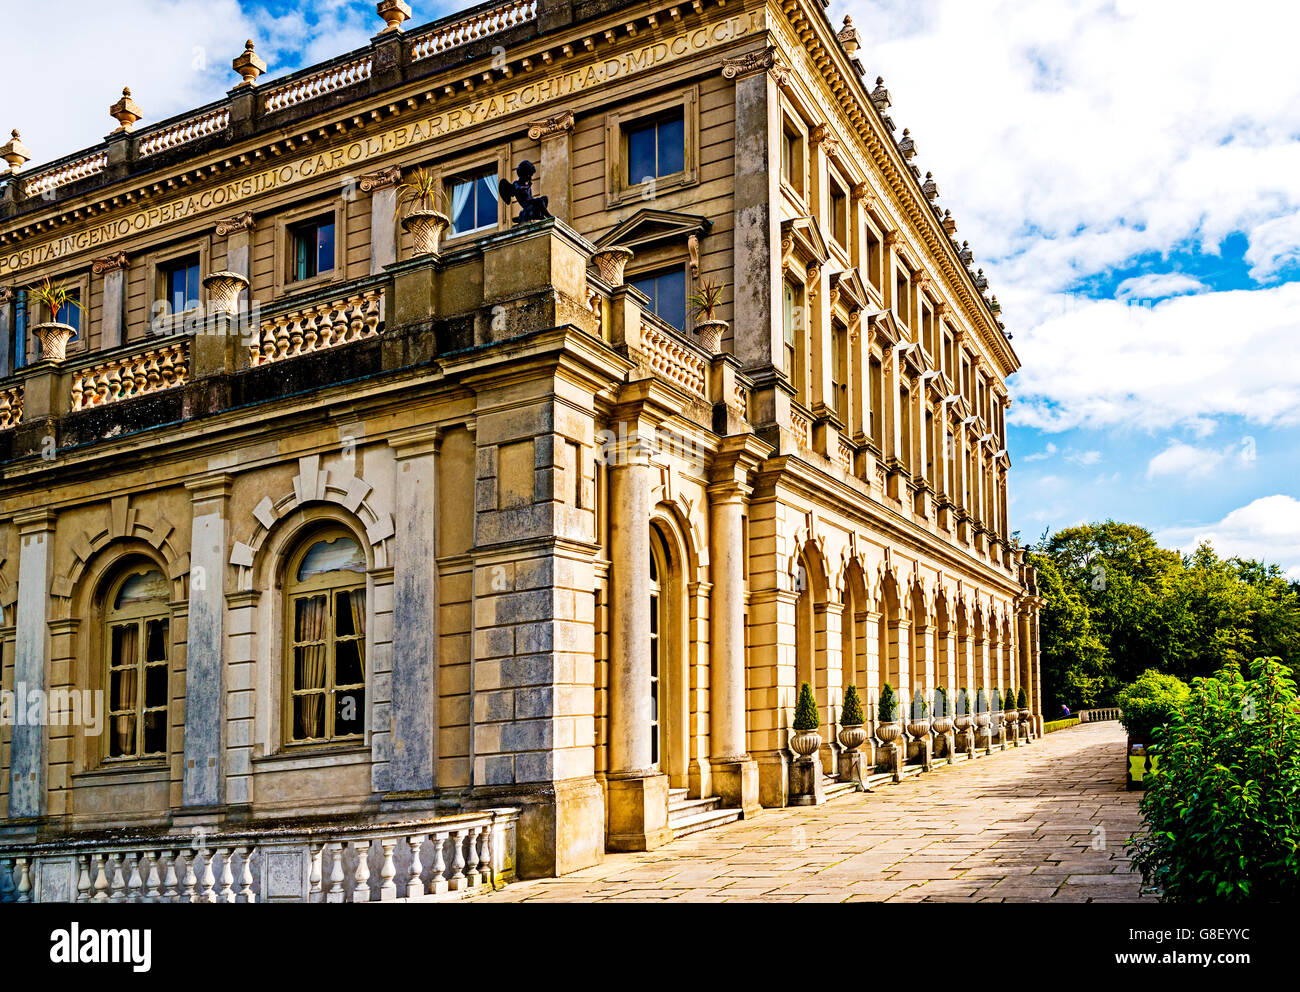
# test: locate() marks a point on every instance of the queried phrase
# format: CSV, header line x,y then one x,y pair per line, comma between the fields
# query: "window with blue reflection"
x,y
474,202
656,148
667,292
313,248
181,279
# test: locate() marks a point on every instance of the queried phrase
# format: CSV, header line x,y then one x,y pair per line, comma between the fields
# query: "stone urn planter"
x,y
805,743
919,728
1025,725
425,227
610,263
223,291
54,338
890,732
852,737
710,333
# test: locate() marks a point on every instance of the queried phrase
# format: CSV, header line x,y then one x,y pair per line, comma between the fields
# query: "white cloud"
x,y
1085,457
1038,456
174,56
1157,285
1184,460
1112,130
1267,529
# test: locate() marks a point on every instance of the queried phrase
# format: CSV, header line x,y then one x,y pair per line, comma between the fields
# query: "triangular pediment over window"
x,y
648,226
802,236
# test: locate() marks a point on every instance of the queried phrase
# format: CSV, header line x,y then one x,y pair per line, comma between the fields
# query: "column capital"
x,y
239,222
767,60
373,182
737,456
38,521
208,488
110,263
561,123
417,442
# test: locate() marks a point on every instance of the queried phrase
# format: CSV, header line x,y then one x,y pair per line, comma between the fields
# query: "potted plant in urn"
x,y
982,718
918,725
1022,704
852,733
54,335
423,221
704,302
1145,707
941,724
1010,715
807,720
888,729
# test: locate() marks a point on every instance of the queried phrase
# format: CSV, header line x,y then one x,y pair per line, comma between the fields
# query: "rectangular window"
x,y
905,421
792,157
877,404
474,202
70,314
839,370
874,255
902,304
312,243
839,215
656,148
667,292
20,329
181,283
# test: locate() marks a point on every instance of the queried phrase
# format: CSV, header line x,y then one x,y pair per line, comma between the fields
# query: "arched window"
x,y
136,628
325,657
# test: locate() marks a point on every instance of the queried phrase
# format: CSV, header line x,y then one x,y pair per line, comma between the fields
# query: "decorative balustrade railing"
x,y
152,371
168,136
300,89
1098,715
482,24
317,326
62,173
441,857
11,407
844,454
801,427
674,360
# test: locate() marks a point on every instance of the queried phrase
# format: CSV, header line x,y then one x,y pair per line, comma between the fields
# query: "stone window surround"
x,y
305,211
617,190
80,281
157,260
445,170
795,194
656,260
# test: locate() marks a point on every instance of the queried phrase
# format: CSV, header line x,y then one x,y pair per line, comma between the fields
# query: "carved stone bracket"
x,y
109,263
240,222
555,124
821,135
383,179
766,60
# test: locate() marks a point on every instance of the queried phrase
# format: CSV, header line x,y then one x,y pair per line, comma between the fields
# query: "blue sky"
x,y
1127,173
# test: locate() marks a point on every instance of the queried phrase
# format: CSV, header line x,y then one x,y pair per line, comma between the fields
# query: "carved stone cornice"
x,y
109,263
240,222
383,179
767,60
560,123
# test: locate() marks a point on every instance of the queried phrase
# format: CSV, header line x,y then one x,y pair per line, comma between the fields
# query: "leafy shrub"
x,y
1150,702
941,705
981,701
1220,810
963,702
1022,700
888,711
806,716
919,706
852,714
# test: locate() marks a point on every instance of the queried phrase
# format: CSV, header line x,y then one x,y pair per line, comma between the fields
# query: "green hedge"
x,y
1051,725
1150,703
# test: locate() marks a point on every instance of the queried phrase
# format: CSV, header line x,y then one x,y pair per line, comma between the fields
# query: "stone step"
x,y
695,822
835,788
684,805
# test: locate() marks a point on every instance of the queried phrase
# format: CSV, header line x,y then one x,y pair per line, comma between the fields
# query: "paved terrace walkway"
x,y
1017,826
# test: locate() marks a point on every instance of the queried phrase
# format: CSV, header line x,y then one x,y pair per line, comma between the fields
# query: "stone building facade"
x,y
340,526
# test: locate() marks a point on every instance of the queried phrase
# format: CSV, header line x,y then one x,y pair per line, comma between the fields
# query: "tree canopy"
x,y
1118,604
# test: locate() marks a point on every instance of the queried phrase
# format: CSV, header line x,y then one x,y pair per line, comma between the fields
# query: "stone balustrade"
x,y
182,132
318,326
303,88
844,455
481,24
1098,715
428,859
801,427
159,368
674,360
62,173
11,407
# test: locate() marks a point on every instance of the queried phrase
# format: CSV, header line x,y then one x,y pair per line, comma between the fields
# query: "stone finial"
x,y
126,111
981,281
249,65
880,95
949,224
930,188
966,255
907,145
848,36
15,152
995,306
394,12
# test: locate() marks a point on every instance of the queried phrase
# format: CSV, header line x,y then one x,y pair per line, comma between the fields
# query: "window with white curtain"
x,y
473,202
325,624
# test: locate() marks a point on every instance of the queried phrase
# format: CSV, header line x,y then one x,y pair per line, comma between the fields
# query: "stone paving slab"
x,y
1044,822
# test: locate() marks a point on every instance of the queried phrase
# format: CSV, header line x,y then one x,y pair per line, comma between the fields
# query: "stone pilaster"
x,y
415,612
113,269
28,744
203,779
555,167
382,187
